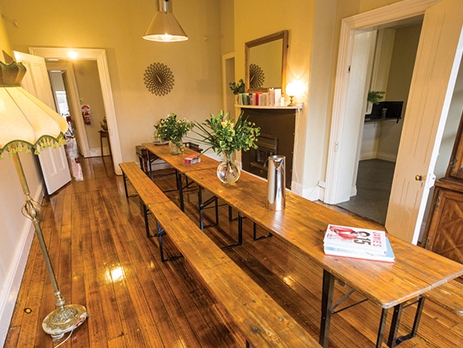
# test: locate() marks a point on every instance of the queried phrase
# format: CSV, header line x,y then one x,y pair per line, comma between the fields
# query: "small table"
x,y
104,134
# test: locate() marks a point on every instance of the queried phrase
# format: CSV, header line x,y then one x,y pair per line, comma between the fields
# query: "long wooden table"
x,y
388,285
177,161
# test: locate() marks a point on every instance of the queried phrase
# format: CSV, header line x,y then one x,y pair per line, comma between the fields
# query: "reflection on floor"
x,y
373,188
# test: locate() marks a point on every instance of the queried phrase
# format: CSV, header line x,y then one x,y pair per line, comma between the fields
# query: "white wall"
x,y
117,26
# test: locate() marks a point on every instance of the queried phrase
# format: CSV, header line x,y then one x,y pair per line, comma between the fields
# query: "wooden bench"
x,y
146,189
262,321
449,296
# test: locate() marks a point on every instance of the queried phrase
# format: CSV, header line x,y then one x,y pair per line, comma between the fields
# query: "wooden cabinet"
x,y
455,169
445,224
444,228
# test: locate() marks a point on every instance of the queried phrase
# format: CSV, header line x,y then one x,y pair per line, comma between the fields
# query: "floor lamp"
x,y
26,125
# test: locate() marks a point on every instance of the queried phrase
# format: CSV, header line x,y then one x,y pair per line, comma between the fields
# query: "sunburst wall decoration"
x,y
256,76
159,79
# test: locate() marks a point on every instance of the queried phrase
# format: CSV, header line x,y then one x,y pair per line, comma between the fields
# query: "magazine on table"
x,y
358,243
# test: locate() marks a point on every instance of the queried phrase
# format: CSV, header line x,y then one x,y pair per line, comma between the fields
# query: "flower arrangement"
x,y
173,129
237,87
226,136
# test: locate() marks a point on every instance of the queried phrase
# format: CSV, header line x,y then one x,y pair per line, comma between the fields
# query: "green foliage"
x,y
375,97
237,87
227,136
170,128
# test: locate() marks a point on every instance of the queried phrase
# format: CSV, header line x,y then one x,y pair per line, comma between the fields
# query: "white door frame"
x,y
100,56
228,75
339,139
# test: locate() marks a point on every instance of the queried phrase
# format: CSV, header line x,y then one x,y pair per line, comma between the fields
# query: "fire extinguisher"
x,y
86,114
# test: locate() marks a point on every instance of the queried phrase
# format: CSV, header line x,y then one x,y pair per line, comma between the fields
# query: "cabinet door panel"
x,y
448,226
455,169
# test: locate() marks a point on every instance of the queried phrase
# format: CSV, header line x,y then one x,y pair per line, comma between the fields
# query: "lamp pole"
x,y
64,318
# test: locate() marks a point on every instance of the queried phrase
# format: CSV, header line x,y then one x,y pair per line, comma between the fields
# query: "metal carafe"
x,y
276,195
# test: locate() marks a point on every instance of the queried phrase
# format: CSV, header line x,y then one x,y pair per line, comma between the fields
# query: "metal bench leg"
x,y
254,233
147,225
125,185
162,232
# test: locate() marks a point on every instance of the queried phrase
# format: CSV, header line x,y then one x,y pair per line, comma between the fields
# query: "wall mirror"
x,y
265,62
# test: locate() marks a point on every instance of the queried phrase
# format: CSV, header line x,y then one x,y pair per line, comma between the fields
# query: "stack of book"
x,y
357,243
271,98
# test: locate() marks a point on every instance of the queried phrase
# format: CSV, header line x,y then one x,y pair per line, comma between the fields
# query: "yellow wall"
x,y
117,27
312,56
214,28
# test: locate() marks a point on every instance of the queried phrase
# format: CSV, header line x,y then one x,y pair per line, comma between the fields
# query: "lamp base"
x,y
291,102
64,319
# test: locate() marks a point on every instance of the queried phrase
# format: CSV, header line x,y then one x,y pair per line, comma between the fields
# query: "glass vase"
x,y
228,170
176,148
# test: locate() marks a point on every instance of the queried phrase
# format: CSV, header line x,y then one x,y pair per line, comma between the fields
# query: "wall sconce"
x,y
164,27
293,89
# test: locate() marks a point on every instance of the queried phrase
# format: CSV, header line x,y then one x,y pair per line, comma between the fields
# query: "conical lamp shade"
x,y
165,28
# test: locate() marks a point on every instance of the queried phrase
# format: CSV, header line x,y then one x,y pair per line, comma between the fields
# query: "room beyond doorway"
x,y
374,183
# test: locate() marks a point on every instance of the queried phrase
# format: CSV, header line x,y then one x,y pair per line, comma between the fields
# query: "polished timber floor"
x,y
374,182
103,260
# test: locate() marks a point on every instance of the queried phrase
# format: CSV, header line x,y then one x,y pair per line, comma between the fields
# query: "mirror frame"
x,y
281,35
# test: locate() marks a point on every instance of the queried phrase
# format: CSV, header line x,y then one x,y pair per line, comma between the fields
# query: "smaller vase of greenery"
x,y
173,130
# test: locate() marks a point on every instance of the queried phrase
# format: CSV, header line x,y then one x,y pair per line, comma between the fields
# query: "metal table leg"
x,y
327,308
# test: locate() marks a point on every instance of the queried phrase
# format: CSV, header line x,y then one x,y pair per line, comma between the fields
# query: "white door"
x,y
53,162
437,62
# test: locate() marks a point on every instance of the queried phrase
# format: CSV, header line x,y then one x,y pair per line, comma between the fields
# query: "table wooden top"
x,y
302,223
177,161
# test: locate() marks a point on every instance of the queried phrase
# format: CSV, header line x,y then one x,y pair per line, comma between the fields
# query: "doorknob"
x,y
419,177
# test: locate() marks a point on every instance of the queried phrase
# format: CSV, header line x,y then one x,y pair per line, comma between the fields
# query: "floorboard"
x,y
103,260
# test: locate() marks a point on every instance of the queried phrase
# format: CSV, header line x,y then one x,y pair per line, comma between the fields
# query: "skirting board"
x,y
13,280
312,194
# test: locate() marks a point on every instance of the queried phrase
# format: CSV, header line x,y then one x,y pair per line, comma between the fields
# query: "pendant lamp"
x,y
164,27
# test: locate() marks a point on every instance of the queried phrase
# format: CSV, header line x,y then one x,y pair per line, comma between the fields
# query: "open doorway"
x,y
389,74
77,93
433,81
98,56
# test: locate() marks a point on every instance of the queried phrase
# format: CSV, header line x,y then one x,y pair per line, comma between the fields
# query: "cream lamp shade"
x,y
26,123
